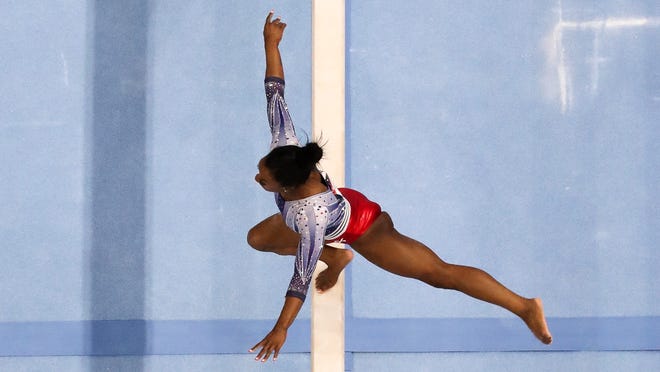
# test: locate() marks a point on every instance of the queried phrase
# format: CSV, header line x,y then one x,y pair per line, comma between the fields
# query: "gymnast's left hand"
x,y
272,343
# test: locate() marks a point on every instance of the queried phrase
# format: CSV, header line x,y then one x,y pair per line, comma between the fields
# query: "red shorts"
x,y
363,213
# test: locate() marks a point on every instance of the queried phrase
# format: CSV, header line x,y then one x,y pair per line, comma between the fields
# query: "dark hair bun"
x,y
291,165
311,153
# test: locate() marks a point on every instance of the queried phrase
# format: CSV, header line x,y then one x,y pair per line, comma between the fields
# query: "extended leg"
x,y
401,255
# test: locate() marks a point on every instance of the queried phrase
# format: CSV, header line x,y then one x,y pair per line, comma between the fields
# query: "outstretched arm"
x,y
309,251
273,31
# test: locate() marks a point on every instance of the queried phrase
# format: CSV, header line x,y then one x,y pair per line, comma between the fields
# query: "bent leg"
x,y
336,259
273,235
401,255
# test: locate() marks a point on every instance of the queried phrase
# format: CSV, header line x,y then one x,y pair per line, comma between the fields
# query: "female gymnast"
x,y
313,213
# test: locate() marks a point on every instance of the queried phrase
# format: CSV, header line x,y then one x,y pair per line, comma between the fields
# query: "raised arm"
x,y
281,126
273,31
283,134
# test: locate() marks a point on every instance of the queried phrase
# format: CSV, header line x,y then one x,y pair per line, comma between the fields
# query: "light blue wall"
x,y
474,153
130,133
42,160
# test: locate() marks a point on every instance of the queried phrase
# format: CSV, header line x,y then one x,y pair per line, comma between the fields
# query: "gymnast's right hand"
x,y
272,343
273,30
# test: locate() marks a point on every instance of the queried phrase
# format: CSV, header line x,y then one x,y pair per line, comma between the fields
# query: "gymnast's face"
x,y
265,178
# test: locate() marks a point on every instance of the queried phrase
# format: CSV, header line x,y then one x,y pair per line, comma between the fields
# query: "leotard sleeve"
x,y
279,119
281,126
310,222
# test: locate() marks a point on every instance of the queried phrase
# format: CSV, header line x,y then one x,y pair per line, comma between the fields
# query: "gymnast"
x,y
313,213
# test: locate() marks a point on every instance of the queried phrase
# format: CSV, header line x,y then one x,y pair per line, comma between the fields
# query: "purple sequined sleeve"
x,y
310,222
279,119
307,217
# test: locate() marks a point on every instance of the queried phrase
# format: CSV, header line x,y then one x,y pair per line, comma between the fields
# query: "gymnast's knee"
x,y
440,276
256,240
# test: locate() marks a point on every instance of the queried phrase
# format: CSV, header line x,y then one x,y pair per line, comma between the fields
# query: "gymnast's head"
x,y
287,167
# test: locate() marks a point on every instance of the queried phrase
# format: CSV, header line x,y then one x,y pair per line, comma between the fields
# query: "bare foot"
x,y
328,277
535,320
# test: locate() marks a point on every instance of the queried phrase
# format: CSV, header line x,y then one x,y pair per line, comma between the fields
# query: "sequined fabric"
x,y
279,119
316,218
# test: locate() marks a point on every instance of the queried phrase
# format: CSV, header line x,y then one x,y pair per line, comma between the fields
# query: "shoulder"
x,y
309,209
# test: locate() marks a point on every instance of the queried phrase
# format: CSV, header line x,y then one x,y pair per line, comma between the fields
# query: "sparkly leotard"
x,y
317,218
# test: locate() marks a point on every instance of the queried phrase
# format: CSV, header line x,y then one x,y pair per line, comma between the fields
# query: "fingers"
x,y
277,21
265,351
255,346
264,354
